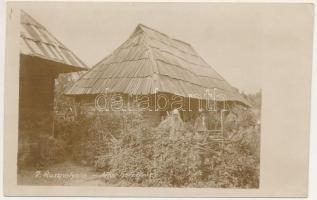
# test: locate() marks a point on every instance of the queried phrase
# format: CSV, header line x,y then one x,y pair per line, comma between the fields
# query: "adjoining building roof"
x,y
37,41
149,62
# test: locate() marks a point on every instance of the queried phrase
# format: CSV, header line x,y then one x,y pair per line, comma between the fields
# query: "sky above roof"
x,y
230,38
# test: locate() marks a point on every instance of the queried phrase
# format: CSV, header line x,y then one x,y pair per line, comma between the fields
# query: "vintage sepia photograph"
x,y
139,105
164,99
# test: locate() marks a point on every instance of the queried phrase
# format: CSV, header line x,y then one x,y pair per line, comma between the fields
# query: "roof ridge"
x,y
141,26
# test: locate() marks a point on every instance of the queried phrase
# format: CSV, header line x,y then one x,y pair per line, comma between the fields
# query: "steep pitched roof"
x,y
149,62
37,41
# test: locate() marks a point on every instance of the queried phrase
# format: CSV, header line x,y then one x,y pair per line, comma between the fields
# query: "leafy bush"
x,y
176,160
143,156
37,145
121,144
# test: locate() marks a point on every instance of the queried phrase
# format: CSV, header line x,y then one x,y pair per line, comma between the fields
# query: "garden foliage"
x,y
138,155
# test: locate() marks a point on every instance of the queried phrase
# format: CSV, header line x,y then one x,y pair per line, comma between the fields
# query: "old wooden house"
x,y
42,58
151,63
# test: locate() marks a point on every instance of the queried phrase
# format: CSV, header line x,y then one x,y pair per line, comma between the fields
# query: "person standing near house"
x,y
201,137
200,125
173,123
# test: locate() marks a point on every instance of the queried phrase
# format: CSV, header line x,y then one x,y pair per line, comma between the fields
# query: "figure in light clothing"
x,y
201,122
173,123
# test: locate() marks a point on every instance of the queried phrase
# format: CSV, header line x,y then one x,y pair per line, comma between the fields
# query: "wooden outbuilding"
x,y
42,59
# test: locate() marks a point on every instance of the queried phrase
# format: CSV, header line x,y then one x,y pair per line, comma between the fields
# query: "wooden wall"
x,y
36,97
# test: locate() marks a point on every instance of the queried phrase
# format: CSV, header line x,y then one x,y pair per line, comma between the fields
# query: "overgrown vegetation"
x,y
123,146
135,155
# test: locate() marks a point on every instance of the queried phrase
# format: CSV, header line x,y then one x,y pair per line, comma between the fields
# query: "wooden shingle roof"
x,y
37,41
149,62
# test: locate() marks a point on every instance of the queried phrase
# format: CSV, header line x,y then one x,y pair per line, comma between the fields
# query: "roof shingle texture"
x,y
36,40
149,62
